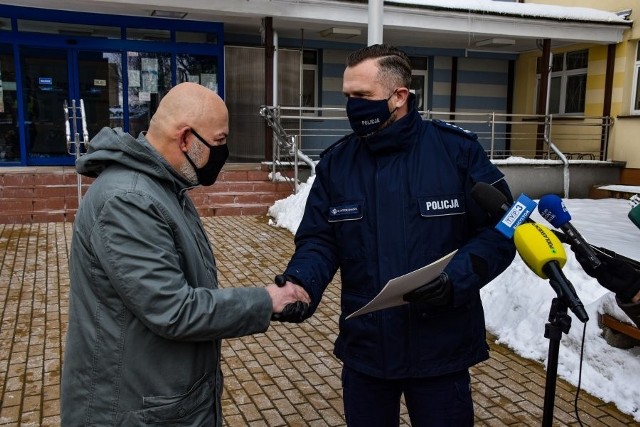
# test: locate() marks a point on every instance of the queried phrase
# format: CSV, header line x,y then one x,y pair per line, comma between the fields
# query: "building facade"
x,y
115,63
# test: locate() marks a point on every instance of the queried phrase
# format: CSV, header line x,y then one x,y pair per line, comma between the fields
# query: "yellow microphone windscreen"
x,y
537,246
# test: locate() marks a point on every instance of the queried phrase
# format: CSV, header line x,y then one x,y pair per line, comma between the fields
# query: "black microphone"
x,y
495,202
490,198
553,209
543,253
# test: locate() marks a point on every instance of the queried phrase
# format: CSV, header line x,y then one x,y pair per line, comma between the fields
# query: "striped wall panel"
x,y
481,87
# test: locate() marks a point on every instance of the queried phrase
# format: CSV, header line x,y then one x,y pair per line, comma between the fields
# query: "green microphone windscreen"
x,y
634,215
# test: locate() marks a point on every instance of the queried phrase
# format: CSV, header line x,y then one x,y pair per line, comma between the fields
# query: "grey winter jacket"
x,y
145,316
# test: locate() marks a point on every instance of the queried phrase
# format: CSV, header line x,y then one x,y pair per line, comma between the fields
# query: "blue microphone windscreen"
x,y
552,208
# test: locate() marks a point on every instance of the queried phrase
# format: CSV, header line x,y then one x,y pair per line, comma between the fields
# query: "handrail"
x,y
566,178
567,138
287,143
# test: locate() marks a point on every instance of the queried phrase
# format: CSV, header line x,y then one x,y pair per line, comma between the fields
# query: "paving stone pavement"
x,y
287,376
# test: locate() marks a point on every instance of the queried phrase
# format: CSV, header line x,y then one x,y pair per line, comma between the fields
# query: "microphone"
x,y
552,208
634,213
495,202
543,253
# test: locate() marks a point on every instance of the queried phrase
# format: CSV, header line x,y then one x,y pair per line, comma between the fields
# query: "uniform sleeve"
x,y
315,260
487,253
133,242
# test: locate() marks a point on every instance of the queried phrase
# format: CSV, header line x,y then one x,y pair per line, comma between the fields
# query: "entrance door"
x,y
53,77
99,87
45,86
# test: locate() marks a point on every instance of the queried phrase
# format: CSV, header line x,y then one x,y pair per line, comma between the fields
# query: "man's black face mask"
x,y
366,116
218,155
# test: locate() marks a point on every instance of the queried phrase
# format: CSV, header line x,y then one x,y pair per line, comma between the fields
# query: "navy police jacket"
x,y
384,206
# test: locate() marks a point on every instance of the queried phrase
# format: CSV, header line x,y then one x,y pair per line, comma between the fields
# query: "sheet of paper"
x,y
391,294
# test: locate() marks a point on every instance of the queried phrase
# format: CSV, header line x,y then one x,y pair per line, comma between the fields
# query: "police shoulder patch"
x,y
454,128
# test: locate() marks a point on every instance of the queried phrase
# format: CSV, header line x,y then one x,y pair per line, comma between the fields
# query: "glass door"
x,y
53,77
99,76
45,86
149,79
9,136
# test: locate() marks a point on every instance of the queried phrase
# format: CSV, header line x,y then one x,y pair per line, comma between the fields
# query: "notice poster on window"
x,y
134,78
210,81
150,75
194,79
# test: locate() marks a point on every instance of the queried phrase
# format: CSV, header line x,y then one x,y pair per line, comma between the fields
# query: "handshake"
x,y
291,303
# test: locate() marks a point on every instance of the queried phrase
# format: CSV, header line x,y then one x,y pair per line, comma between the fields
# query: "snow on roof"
x,y
565,13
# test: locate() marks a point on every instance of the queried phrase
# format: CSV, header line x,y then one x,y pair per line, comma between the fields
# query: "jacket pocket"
x,y
193,408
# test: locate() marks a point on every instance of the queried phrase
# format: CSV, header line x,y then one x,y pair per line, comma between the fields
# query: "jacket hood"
x,y
114,146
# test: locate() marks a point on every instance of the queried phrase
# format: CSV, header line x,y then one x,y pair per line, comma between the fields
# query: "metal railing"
x,y
309,131
76,147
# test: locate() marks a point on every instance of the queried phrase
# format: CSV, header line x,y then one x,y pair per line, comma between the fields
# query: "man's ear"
x,y
402,97
183,138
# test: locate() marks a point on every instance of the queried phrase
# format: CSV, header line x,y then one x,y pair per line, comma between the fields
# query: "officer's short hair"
x,y
395,65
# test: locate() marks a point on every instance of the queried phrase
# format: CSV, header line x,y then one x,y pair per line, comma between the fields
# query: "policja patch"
x,y
450,204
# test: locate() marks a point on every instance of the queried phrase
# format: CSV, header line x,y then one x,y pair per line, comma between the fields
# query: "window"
x,y
149,79
419,81
568,82
310,81
67,29
9,140
148,34
196,37
635,106
201,69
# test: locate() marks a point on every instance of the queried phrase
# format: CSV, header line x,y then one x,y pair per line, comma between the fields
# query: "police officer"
x,y
387,199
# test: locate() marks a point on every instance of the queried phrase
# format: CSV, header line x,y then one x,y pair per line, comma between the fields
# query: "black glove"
x,y
438,292
295,312
614,274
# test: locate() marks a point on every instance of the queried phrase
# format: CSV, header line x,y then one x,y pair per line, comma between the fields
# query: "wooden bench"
x,y
619,334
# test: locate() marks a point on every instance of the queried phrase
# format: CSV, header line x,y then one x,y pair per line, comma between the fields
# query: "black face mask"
x,y
366,116
218,154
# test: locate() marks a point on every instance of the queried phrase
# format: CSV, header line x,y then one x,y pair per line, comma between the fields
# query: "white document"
x,y
391,294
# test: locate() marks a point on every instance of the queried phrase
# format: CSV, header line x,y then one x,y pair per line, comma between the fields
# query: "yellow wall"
x,y
624,141
608,5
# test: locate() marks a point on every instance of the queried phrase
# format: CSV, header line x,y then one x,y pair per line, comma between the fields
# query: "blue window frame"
x,y
181,51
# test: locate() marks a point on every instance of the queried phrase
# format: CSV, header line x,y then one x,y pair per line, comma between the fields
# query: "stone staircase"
x,y
50,193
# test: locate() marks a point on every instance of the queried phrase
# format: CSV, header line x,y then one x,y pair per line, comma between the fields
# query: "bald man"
x,y
146,316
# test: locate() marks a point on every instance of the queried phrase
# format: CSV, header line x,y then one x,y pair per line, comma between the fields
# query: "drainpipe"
x,y
375,28
274,97
275,69
268,78
453,89
565,170
543,90
606,107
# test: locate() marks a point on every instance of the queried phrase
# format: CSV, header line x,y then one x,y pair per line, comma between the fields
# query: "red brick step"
x,y
50,194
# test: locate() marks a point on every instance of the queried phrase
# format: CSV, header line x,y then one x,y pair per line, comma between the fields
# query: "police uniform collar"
x,y
399,135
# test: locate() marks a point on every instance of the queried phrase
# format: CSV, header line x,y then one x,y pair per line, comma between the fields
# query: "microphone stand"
x,y
559,322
